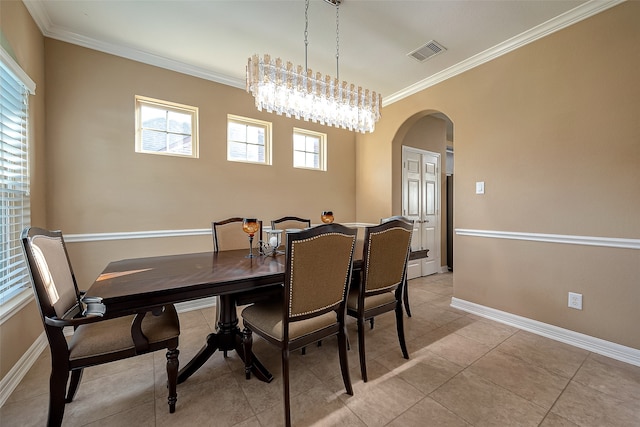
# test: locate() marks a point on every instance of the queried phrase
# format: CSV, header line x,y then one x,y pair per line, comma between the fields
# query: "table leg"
x,y
227,337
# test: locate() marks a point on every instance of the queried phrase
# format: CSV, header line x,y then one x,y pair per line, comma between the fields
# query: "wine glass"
x,y
250,226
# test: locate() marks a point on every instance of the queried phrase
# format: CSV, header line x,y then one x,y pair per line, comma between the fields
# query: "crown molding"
x,y
567,19
40,16
586,10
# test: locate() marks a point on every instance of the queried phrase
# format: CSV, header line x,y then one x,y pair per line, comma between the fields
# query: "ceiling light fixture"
x,y
301,94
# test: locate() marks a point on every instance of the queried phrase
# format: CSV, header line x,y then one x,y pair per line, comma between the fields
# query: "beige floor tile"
x,y
427,372
218,402
483,403
382,399
610,376
586,406
316,407
463,370
524,379
139,416
484,331
553,420
428,412
552,355
459,349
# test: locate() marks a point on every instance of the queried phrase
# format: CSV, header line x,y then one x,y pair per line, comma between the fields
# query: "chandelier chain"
x,y
338,40
306,33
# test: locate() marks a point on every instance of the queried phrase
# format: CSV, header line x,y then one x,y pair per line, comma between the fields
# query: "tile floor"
x,y
463,371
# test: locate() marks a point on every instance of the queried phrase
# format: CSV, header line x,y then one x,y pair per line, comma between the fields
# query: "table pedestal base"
x,y
228,337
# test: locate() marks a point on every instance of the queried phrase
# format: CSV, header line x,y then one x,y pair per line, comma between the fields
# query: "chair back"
x,y
386,251
288,222
54,283
318,271
228,235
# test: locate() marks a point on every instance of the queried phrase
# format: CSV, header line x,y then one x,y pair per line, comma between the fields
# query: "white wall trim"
x,y
596,345
11,380
126,235
567,19
16,304
612,242
585,10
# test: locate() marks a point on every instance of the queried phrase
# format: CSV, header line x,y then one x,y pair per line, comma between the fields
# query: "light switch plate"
x,y
480,187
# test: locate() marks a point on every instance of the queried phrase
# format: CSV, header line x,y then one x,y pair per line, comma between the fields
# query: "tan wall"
x,y
552,128
22,37
99,184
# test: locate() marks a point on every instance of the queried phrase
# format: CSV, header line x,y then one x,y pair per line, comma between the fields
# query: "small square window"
x,y
164,127
248,140
309,149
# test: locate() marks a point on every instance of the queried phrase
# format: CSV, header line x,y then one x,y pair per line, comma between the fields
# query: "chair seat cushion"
x,y
267,319
369,302
114,335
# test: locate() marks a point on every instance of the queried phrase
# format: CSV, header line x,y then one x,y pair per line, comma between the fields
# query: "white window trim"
x,y
267,136
172,106
17,301
322,152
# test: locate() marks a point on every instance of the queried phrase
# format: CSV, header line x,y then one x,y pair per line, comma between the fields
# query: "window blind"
x,y
15,206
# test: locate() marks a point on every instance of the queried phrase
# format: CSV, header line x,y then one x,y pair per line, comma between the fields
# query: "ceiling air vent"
x,y
425,52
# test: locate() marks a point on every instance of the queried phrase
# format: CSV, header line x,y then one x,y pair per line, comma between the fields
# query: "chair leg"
x,y
344,360
363,361
247,345
400,327
76,377
57,387
406,297
172,377
285,385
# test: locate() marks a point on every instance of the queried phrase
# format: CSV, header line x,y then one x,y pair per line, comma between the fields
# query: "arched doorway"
x,y
429,132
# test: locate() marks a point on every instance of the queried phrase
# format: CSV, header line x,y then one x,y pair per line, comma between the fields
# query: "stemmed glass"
x,y
250,226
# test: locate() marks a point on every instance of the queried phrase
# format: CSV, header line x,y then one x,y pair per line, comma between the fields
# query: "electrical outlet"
x,y
575,300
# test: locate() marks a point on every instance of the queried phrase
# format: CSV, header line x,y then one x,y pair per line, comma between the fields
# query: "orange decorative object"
x,y
250,226
327,217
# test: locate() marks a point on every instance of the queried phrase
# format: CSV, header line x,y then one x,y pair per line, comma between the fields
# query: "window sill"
x,y
15,304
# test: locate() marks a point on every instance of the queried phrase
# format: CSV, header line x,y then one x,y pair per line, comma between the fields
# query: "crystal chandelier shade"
x,y
296,92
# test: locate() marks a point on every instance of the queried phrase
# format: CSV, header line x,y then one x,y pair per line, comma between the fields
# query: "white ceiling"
x,y
213,39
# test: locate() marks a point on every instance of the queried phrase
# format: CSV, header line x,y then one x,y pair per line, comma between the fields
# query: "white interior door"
x,y
421,202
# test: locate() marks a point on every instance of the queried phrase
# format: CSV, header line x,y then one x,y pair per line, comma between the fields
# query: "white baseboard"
x,y
596,345
10,381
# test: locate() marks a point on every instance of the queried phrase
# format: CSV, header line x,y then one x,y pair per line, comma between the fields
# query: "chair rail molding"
x,y
126,235
611,242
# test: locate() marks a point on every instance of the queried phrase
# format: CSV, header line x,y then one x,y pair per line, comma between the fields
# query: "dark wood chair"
x,y
384,266
96,338
228,235
290,222
317,277
412,255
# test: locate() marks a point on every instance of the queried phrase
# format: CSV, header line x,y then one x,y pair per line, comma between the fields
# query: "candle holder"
x,y
250,226
327,217
273,242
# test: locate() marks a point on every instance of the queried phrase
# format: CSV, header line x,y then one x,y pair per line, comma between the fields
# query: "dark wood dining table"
x,y
139,284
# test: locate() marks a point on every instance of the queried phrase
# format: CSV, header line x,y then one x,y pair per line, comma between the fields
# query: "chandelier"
x,y
298,92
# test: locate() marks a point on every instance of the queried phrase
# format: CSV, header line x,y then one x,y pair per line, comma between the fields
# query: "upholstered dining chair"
x,y
317,276
385,254
228,234
290,222
96,338
405,292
